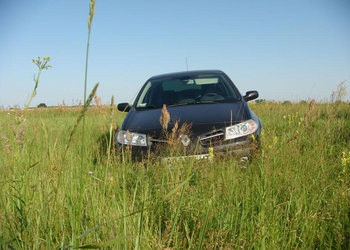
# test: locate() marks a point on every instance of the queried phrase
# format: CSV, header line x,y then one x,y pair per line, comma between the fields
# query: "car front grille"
x,y
157,141
211,139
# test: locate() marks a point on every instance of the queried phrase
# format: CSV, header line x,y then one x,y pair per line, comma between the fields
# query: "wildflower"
x,y
345,163
211,153
275,140
300,121
345,160
253,137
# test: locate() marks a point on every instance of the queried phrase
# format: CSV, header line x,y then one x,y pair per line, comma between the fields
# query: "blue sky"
x,y
287,50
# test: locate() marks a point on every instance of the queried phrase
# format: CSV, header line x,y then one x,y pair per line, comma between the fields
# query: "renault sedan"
x,y
201,112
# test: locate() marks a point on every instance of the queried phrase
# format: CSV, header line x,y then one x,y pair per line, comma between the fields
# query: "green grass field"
x,y
61,191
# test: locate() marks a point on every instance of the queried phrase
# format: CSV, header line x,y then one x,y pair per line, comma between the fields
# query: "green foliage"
x,y
294,195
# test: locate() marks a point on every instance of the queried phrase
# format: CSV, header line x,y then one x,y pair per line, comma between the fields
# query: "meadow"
x,y
64,187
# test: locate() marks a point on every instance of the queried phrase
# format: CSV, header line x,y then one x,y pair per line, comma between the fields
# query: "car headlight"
x,y
130,138
242,129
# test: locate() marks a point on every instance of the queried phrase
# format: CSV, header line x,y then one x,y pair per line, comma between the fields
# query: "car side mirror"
x,y
124,107
251,95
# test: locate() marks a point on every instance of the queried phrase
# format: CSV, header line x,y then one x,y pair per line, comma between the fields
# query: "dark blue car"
x,y
202,111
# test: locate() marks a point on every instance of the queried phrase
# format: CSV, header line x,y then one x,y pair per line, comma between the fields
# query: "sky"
x,y
288,50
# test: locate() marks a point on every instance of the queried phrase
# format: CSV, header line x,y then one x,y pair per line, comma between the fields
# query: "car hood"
x,y
202,117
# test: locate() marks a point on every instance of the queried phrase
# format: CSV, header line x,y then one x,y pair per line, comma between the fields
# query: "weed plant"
x,y
41,66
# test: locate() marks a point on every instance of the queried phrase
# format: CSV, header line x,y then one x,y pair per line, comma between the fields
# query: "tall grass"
x,y
76,204
295,194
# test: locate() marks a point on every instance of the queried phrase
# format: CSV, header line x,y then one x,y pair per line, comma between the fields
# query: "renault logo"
x,y
185,140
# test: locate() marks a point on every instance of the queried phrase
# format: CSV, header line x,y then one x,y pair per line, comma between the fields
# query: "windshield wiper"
x,y
149,107
180,104
189,103
203,102
174,105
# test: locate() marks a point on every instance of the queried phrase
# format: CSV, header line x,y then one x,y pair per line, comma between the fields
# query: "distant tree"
x,y
260,101
42,105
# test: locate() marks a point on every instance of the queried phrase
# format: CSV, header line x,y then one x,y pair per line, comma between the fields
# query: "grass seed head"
x,y
164,118
91,13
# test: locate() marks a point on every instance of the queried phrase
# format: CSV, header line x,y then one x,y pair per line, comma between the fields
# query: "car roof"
x,y
186,73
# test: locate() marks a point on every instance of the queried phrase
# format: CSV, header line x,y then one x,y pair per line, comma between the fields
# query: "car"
x,y
201,112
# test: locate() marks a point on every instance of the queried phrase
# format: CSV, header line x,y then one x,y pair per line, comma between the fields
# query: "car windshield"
x,y
186,90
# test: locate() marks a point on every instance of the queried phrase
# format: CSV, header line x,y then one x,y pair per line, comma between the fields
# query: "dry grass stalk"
x,y
82,114
175,137
6,141
164,119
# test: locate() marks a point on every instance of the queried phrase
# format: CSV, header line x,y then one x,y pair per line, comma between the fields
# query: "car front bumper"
x,y
241,148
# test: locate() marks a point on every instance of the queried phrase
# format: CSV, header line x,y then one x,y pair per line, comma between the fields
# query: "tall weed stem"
x,y
41,65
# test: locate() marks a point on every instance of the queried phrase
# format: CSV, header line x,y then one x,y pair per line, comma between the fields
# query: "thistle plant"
x,y
41,65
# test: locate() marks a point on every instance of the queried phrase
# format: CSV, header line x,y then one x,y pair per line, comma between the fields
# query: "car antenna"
x,y
186,64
